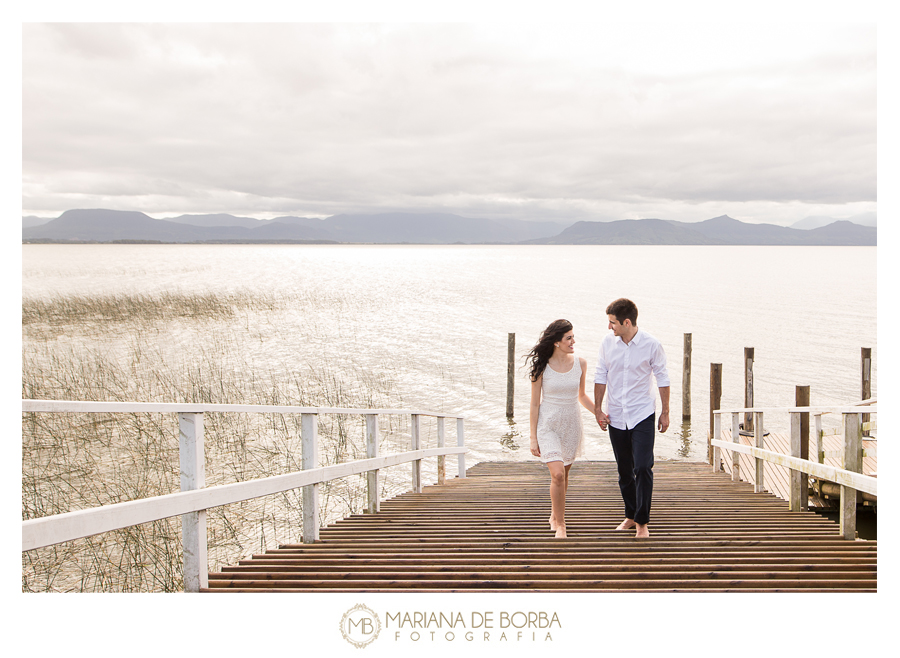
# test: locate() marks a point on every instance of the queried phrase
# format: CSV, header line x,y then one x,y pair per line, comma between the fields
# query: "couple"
x,y
628,357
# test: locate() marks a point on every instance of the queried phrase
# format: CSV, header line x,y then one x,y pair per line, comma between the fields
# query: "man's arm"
x,y
602,418
664,414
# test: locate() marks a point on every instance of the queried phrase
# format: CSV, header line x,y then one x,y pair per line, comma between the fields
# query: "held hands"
x,y
602,419
663,423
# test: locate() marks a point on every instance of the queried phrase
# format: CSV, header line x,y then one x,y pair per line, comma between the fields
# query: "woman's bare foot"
x,y
560,532
627,524
552,523
642,531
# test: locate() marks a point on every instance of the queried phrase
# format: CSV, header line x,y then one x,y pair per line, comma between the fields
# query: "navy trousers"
x,y
633,449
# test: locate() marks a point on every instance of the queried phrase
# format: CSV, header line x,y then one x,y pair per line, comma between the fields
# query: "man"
x,y
629,359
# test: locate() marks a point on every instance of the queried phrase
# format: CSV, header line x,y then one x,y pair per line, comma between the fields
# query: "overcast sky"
x,y
563,121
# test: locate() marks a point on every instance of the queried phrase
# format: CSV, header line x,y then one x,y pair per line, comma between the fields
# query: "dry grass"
x,y
118,348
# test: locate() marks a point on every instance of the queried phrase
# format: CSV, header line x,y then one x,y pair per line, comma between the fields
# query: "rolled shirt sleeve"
x,y
658,364
602,369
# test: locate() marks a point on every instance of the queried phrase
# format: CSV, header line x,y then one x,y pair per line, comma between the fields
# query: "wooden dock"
x,y
488,532
776,478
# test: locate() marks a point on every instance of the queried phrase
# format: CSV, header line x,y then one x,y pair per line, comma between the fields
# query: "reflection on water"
x,y
687,447
509,440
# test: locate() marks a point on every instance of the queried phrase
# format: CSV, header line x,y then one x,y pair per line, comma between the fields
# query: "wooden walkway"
x,y
776,479
488,532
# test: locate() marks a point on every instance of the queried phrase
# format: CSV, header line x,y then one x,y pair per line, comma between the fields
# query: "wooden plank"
x,y
488,533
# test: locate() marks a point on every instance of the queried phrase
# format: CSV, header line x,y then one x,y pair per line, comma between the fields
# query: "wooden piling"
x,y
510,374
866,377
748,387
686,380
715,401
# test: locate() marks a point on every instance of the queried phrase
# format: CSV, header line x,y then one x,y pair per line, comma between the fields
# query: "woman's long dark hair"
x,y
542,352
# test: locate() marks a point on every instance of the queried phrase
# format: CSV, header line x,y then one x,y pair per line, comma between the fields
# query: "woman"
x,y
557,386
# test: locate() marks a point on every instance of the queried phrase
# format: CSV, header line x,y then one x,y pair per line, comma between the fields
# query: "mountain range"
x,y
718,230
101,225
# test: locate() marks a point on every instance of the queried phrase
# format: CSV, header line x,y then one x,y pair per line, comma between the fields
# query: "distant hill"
x,y
31,220
818,221
419,228
844,233
220,219
100,225
718,230
627,231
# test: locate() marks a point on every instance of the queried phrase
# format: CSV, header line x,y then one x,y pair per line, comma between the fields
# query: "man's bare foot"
x,y
627,524
642,531
560,532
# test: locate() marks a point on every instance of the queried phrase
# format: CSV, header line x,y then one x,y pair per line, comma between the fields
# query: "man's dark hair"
x,y
623,309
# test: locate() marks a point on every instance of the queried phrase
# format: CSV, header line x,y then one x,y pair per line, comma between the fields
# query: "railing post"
x,y
309,442
717,433
852,462
461,441
193,524
372,477
735,456
715,399
758,480
795,500
416,444
440,444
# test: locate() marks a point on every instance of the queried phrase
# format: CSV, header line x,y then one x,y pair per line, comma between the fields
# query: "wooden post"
x,y
748,387
309,459
801,399
373,504
440,444
758,480
510,374
461,441
715,400
686,380
416,444
866,376
852,462
735,456
193,524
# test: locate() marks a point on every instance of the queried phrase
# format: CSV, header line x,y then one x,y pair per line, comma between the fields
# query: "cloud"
x,y
565,122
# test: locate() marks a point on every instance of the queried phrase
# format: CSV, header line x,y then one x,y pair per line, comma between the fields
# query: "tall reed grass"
x,y
191,348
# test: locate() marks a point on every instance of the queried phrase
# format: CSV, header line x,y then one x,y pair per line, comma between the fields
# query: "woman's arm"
x,y
533,413
583,398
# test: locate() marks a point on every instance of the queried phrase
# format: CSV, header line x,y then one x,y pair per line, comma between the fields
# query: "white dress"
x,y
559,428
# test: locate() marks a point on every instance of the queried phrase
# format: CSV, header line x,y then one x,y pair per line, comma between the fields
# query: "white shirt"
x,y
628,369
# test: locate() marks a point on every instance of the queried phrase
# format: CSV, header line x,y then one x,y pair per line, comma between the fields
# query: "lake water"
x,y
436,318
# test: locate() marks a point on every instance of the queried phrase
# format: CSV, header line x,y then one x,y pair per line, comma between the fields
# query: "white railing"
x,y
195,498
849,477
